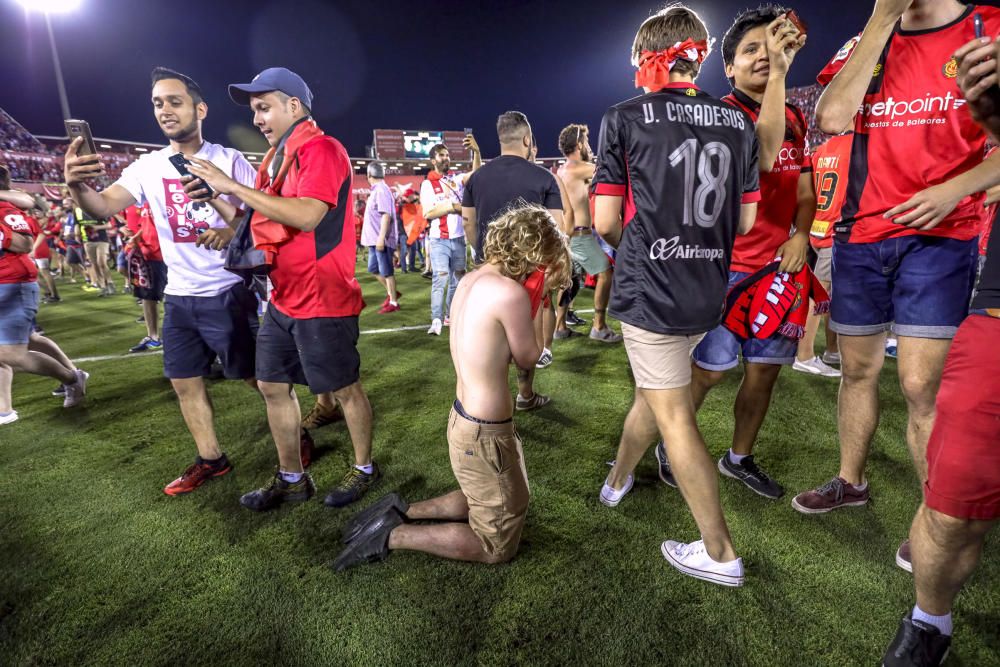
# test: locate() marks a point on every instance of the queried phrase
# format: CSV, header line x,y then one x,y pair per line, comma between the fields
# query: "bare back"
x,y
577,177
488,327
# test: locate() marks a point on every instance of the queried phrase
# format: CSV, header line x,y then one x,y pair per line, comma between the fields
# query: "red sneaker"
x,y
833,495
399,295
196,475
307,448
388,308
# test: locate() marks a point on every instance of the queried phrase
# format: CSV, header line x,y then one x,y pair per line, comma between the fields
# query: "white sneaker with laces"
x,y
76,391
9,418
435,328
815,366
692,560
611,496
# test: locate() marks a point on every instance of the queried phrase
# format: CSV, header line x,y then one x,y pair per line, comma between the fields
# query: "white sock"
x,y
942,623
735,458
612,493
392,303
860,487
368,469
291,477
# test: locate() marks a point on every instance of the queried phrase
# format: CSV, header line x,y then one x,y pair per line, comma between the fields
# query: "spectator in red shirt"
x,y
303,220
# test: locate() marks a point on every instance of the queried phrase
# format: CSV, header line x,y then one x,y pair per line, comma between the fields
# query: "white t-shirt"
x,y
452,186
152,179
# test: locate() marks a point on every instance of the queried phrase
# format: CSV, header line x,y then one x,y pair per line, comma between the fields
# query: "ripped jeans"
x,y
448,262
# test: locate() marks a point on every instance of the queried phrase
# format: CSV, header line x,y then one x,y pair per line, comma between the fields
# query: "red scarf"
x,y
267,234
655,66
534,284
769,302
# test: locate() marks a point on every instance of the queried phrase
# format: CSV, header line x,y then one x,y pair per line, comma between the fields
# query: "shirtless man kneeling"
x,y
491,325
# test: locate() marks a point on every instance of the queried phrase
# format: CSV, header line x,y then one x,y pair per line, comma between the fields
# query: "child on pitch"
x,y
525,255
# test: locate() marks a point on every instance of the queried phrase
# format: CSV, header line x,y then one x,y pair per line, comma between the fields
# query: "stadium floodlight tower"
x,y
47,7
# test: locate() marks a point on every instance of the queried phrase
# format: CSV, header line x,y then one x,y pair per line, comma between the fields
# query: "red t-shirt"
x,y
779,199
913,131
138,218
43,251
831,160
17,267
313,272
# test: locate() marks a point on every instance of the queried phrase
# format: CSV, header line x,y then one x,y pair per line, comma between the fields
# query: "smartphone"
x,y
468,130
793,16
977,21
180,164
81,128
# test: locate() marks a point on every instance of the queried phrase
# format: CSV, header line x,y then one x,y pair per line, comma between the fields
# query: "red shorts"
x,y
963,454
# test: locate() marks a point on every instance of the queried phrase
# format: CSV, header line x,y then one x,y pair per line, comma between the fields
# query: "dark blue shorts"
x,y
720,349
18,307
320,352
196,329
917,286
380,262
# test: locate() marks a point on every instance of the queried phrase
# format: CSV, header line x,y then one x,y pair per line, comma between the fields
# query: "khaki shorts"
x,y
588,254
824,265
659,361
489,466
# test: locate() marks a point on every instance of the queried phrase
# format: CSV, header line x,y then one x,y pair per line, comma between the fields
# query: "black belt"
x,y
465,415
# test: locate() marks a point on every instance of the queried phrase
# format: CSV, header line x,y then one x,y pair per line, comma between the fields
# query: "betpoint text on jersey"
x,y
895,109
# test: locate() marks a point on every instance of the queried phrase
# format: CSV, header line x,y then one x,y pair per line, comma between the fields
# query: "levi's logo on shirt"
x,y
186,218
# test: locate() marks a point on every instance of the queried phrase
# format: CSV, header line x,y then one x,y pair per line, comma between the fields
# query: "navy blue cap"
x,y
273,78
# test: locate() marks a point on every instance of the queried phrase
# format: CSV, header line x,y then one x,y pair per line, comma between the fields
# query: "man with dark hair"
x,y
208,313
905,248
649,147
441,201
577,173
758,51
504,182
302,220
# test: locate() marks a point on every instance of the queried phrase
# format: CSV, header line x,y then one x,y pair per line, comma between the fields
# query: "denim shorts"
x,y
916,286
380,262
720,349
18,306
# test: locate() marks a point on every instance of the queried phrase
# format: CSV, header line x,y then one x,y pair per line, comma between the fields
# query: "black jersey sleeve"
x,y
751,184
552,198
612,172
468,198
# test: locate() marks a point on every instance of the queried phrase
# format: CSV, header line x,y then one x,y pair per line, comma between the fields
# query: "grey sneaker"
x,y
545,360
605,335
747,472
536,401
831,358
663,465
76,391
562,335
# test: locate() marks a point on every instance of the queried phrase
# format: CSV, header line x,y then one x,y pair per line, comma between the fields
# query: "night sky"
x,y
409,65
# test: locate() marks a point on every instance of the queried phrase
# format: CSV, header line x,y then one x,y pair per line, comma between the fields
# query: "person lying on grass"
x,y
491,326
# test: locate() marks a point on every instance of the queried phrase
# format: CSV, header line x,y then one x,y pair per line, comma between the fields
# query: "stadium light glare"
x,y
50,6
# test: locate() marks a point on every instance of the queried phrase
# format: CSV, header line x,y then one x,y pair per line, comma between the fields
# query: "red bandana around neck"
x,y
535,286
433,175
655,66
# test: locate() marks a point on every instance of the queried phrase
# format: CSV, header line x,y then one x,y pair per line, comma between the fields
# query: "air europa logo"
x,y
663,249
928,104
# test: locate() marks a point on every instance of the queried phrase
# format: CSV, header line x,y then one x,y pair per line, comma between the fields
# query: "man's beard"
x,y
184,133
442,167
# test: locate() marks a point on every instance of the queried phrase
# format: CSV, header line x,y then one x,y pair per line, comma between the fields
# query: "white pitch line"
x,y
109,357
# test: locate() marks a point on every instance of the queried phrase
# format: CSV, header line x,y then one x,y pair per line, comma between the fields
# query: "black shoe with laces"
x,y
279,491
663,465
353,487
371,543
357,522
747,472
916,645
574,320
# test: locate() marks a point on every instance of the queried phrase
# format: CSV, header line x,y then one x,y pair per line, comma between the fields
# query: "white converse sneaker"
x,y
694,561
435,328
611,496
8,418
815,366
76,391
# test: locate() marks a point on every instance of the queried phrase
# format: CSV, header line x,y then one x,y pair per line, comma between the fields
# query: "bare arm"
x,y
608,218
19,199
795,251
20,244
978,76
195,190
442,209
748,214
515,317
470,223
840,101
783,41
77,170
569,218
557,215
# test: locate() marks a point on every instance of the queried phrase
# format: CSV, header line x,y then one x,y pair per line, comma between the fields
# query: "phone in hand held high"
x,y
81,128
180,164
793,16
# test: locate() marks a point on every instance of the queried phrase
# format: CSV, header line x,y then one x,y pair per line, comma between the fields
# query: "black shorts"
x,y
156,276
196,329
321,352
74,254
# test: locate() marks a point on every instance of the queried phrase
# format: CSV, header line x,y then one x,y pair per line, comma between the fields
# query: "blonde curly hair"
x,y
525,237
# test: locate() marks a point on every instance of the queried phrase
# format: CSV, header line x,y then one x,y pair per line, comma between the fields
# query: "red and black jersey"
x,y
913,131
831,161
779,190
684,162
17,267
988,289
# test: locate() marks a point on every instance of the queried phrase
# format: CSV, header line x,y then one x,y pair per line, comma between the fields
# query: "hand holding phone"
x,y
180,164
81,128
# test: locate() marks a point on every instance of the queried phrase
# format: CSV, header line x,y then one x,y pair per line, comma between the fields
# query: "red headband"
x,y
655,66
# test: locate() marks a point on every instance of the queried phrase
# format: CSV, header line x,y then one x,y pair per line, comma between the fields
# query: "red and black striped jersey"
x,y
684,162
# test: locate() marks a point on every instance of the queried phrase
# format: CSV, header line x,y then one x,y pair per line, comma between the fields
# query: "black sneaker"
x,y
916,645
747,472
59,391
353,527
353,487
663,465
574,320
279,491
372,542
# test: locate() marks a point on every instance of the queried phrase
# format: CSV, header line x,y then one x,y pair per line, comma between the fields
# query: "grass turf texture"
x,y
100,567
